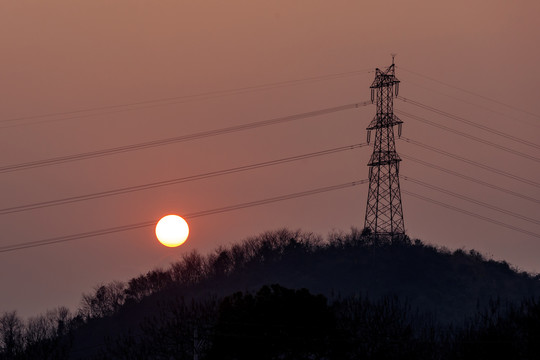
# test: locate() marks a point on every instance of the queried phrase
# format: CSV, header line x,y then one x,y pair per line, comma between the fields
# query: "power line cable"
x,y
80,116
469,122
182,98
176,139
480,182
471,162
469,136
472,93
157,184
470,213
486,108
144,224
471,200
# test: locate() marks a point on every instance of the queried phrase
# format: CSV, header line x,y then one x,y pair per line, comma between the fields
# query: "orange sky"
x,y
61,56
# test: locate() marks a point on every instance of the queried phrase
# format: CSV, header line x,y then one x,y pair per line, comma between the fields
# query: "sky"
x,y
83,76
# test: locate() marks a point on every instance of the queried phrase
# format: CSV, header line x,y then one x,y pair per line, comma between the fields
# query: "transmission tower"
x,y
384,213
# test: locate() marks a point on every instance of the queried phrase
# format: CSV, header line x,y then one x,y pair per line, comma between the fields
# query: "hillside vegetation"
x,y
293,295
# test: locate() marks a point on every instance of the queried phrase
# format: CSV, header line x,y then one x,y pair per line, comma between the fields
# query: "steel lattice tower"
x,y
384,213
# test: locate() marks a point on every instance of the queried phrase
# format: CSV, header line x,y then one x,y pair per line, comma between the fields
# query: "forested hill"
x,y
449,284
353,268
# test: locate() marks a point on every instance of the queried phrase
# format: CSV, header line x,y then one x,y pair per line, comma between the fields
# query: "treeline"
x,y
45,336
373,285
281,323
345,263
52,335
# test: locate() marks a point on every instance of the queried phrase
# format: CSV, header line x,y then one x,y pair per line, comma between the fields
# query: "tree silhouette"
x,y
105,301
181,329
275,323
47,336
11,335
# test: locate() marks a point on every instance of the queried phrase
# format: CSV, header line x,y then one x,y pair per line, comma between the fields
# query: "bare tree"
x,y
11,334
106,300
190,270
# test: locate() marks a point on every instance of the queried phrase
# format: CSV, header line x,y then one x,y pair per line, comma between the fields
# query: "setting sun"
x,y
172,230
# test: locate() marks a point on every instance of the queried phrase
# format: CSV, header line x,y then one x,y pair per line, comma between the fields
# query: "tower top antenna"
x,y
393,56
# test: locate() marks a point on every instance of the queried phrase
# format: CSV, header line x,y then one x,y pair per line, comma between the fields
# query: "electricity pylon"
x,y
384,213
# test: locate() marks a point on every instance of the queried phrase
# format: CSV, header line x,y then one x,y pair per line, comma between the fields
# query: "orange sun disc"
x,y
172,230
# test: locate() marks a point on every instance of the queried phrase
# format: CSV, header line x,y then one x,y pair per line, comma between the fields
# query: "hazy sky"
x,y
62,56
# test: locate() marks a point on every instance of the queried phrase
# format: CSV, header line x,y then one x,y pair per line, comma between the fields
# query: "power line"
x,y
80,116
157,184
486,108
182,98
472,93
469,136
471,162
469,122
144,224
470,213
471,200
480,182
176,139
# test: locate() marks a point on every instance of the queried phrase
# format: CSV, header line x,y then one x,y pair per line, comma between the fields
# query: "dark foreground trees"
x,y
275,323
41,337
413,303
279,323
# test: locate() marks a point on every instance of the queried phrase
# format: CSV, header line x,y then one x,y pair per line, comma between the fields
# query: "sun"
x,y
172,230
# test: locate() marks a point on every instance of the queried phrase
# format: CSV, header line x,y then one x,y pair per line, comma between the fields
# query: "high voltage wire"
x,y
480,182
152,185
486,108
472,93
470,213
184,98
471,200
176,139
468,136
469,122
81,116
471,162
144,224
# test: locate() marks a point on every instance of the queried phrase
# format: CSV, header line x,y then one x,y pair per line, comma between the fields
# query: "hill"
x,y
424,287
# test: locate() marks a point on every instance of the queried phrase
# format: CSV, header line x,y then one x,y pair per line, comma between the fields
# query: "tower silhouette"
x,y
384,213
